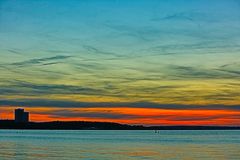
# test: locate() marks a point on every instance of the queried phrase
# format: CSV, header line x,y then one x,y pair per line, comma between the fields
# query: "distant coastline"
x,y
87,125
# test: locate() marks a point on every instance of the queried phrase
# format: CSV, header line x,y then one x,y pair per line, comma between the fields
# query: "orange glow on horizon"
x,y
140,116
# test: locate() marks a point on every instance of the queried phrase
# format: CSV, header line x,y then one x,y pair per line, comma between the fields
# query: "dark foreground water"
x,y
123,145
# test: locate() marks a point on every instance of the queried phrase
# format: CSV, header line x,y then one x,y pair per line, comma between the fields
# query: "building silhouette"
x,y
21,116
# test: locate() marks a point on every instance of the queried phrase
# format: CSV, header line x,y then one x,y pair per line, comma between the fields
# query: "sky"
x,y
150,62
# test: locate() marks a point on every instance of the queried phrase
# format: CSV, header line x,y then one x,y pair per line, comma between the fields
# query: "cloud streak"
x,y
20,87
76,104
41,61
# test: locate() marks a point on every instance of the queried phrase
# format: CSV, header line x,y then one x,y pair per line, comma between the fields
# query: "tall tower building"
x,y
21,116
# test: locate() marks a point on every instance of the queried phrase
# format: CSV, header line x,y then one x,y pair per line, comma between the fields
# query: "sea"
x,y
119,144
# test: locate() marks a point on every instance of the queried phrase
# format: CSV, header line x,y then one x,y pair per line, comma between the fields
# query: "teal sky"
x,y
184,52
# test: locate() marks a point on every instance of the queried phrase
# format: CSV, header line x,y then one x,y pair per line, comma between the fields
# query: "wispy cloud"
x,y
26,88
186,72
41,61
94,50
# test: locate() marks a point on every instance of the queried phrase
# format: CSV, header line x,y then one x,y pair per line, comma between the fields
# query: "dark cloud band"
x,y
77,104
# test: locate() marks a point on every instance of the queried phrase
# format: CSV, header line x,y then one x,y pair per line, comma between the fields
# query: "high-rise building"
x,y
21,116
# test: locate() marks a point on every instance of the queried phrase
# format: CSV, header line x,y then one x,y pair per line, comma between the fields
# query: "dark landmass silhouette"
x,y
86,125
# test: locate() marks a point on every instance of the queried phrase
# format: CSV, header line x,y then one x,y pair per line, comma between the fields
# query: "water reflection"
x,y
123,145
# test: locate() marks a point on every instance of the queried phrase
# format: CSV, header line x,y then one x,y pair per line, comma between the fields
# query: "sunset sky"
x,y
151,62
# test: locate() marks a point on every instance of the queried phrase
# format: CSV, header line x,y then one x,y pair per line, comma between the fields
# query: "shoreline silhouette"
x,y
88,125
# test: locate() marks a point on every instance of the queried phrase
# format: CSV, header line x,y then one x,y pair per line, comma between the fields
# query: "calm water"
x,y
123,145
